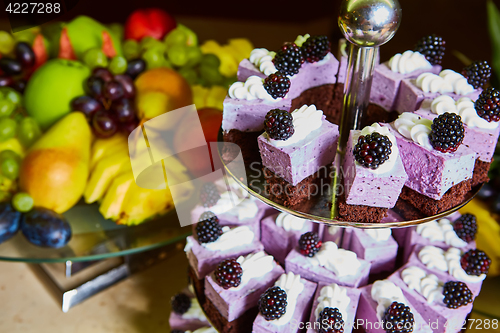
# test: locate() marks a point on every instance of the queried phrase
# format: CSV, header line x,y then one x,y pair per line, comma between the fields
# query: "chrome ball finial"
x,y
369,23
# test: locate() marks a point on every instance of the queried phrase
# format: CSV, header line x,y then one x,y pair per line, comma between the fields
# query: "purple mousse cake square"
x,y
281,233
330,265
307,151
334,296
375,299
300,294
190,320
425,291
430,172
375,188
260,271
376,246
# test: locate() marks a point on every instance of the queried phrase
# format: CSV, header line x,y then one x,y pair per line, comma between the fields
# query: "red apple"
x,y
151,22
211,120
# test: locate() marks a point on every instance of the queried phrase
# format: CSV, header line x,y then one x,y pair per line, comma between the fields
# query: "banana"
x,y
106,146
112,204
241,48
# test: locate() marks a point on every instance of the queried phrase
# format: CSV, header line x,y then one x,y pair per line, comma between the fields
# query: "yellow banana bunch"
x,y
230,54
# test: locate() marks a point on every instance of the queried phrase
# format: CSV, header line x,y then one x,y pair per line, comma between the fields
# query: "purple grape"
x,y
95,87
25,55
19,85
135,67
113,90
104,124
6,80
10,66
128,127
87,105
124,110
127,84
102,73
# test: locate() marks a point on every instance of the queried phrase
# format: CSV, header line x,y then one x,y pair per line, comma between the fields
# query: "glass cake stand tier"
x,y
320,207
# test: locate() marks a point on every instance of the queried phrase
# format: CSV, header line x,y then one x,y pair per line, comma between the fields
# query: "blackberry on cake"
x,y
456,294
447,132
181,303
330,321
372,150
208,230
209,194
432,47
272,303
475,262
466,227
488,105
398,319
315,48
278,124
309,244
477,74
288,59
277,85
228,274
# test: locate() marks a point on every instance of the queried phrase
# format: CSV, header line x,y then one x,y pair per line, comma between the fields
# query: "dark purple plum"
x,y
24,54
124,110
9,221
44,227
10,66
127,85
135,67
87,105
95,87
104,124
113,90
102,73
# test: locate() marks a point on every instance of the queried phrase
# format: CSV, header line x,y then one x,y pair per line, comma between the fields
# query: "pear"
x,y
55,170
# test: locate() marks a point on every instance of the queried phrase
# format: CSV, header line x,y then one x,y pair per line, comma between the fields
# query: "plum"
x,y
9,221
44,227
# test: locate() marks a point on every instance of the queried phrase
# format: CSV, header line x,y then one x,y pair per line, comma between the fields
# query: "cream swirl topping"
x,y
463,107
254,265
379,235
415,128
453,256
384,292
293,285
440,231
231,238
194,311
408,62
457,81
389,164
263,60
333,296
341,262
433,257
427,285
231,204
306,119
433,83
251,89
289,222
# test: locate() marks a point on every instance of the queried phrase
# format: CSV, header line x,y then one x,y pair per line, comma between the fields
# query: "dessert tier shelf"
x,y
319,208
95,238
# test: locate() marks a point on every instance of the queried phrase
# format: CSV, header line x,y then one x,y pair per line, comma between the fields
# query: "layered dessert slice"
x,y
233,289
438,165
187,314
382,306
444,304
281,233
373,175
333,307
291,302
295,149
325,262
377,247
427,86
470,267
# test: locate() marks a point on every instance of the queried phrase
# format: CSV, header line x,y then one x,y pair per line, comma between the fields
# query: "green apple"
x,y
51,88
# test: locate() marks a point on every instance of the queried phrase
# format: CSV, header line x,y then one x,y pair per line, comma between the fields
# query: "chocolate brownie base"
x,y
480,174
323,98
454,196
242,324
377,114
198,285
407,211
246,141
360,213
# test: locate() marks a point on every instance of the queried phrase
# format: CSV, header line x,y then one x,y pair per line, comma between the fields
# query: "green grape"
x,y
194,55
166,63
118,65
27,36
8,129
6,107
9,154
131,49
189,74
7,42
12,95
95,58
176,37
177,55
28,132
22,202
153,58
210,60
211,74
10,168
148,43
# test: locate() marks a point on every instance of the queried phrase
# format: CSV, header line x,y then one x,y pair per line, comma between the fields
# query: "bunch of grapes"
x,y
17,62
109,104
95,58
